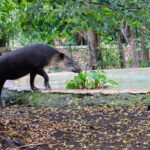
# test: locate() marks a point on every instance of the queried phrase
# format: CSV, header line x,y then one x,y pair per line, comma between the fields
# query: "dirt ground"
x,y
83,128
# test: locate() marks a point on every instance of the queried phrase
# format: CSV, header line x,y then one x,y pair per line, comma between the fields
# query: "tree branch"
x,y
10,143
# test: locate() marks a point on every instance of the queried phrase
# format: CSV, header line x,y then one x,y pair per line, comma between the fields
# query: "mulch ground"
x,y
89,128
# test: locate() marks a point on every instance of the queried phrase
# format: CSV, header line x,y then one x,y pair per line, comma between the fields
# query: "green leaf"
x,y
90,80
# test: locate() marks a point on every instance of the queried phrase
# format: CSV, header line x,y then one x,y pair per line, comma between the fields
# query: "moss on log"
x,y
60,100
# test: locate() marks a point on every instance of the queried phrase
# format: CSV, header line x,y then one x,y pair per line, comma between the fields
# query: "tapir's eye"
x,y
61,56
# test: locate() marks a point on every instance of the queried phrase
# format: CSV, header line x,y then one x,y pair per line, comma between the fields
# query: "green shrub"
x,y
111,58
144,64
90,80
130,62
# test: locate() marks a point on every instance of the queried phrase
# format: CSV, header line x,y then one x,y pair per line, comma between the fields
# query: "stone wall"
x,y
77,53
127,53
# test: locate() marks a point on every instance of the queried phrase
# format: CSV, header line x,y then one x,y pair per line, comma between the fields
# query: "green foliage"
x,y
8,21
130,62
28,21
70,42
110,54
90,80
144,64
111,58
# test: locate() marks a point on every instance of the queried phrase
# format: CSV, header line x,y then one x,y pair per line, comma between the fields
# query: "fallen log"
x,y
5,142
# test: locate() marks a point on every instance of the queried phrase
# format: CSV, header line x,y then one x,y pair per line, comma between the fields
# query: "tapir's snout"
x,y
67,64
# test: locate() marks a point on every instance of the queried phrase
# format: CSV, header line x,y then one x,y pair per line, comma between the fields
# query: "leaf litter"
x,y
89,128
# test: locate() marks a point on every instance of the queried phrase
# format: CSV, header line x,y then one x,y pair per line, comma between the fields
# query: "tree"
x,y
8,21
42,21
133,20
51,18
93,19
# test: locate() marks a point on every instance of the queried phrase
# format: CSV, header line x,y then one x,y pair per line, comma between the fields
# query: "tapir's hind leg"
x,y
45,76
32,77
1,86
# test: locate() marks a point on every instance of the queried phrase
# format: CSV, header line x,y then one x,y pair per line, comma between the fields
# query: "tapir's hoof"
x,y
48,88
35,89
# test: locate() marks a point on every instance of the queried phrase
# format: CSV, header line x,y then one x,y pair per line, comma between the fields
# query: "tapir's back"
x,y
28,54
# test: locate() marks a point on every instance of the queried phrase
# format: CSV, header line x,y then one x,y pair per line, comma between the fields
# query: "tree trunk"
x,y
93,42
94,54
128,34
133,50
120,47
4,39
145,52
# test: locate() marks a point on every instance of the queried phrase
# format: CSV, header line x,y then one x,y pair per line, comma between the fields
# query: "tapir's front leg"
x,y
45,76
1,86
32,77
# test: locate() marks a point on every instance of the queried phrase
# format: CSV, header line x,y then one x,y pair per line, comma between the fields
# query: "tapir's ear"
x,y
61,55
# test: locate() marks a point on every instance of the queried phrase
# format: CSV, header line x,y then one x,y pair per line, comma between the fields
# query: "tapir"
x,y
32,60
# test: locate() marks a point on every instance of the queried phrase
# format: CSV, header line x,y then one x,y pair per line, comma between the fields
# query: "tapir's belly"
x,y
16,74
